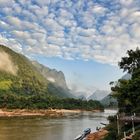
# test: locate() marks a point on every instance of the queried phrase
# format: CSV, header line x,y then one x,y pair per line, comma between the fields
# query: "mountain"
x,y
98,95
57,84
127,76
52,75
20,76
109,101
82,97
23,86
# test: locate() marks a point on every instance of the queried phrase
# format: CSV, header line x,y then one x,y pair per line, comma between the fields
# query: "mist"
x,y
6,64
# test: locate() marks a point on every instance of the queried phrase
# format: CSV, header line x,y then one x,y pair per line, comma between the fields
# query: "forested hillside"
x,y
18,75
23,86
57,84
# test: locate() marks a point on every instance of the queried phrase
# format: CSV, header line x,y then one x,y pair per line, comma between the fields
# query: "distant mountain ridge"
x,y
109,101
98,95
127,76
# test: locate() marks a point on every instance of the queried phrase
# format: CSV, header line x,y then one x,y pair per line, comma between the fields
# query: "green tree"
x,y
127,92
131,62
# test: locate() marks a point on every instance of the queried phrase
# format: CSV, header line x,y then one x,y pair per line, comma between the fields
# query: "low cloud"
x,y
6,64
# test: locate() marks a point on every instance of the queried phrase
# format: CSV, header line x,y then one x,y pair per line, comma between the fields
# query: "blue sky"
x,y
83,38
84,75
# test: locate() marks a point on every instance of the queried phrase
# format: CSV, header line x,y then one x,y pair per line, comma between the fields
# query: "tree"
x,y
131,62
127,92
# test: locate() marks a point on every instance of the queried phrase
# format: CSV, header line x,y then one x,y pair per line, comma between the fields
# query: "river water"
x,y
52,129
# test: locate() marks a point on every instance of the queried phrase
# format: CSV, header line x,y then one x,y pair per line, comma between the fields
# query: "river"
x,y
52,129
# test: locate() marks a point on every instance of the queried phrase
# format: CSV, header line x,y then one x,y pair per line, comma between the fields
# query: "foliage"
x,y
127,91
112,128
59,91
137,135
109,101
5,84
42,101
27,80
132,62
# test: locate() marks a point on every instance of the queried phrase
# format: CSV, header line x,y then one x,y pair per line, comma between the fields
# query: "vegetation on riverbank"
x,y
127,93
9,100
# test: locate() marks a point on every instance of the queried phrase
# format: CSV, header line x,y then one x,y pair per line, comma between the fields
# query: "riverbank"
x,y
37,112
97,135
9,113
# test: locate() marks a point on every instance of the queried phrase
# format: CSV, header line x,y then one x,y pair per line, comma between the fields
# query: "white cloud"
x,y
43,2
72,30
51,24
56,40
6,3
14,21
126,2
53,50
4,25
12,43
21,34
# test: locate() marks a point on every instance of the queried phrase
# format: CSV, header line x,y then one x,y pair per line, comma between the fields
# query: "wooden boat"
x,y
82,136
87,131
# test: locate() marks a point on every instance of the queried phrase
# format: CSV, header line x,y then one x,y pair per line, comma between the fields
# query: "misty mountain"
x,y
18,75
82,97
98,95
52,75
127,76
109,101
57,84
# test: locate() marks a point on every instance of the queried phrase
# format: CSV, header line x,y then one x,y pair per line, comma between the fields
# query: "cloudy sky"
x,y
83,38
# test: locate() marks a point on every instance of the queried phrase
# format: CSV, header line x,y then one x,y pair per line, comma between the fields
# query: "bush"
x,y
137,135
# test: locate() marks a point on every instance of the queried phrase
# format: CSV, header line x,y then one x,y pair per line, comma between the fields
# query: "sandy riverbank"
x,y
29,113
38,112
35,112
73,111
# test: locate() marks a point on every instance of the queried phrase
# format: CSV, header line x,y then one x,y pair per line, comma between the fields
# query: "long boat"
x,y
83,135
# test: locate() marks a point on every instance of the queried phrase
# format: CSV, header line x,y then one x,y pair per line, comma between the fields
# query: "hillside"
x,y
18,75
52,75
57,84
22,85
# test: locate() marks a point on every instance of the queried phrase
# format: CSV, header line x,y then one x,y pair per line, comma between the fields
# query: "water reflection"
x,y
51,129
